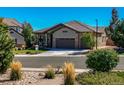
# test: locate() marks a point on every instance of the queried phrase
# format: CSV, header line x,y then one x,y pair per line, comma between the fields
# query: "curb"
x,y
50,56
44,69
76,70
121,55
55,55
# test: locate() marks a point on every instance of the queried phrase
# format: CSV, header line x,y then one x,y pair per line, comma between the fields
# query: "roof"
x,y
102,29
75,25
42,30
16,31
11,22
80,27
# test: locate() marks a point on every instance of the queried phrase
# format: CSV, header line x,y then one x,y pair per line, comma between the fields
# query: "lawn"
x,y
101,78
120,51
29,51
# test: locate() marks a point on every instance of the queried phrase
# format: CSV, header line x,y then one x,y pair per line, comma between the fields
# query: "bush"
x,y
6,47
69,74
15,71
102,60
101,78
88,40
50,74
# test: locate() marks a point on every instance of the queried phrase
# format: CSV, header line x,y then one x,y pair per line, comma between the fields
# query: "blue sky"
x,y
42,17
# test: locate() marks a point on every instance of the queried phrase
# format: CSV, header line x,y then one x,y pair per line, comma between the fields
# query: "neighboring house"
x,y
108,41
67,35
15,29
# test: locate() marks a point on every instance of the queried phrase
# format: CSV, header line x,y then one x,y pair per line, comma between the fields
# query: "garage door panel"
x,y
65,43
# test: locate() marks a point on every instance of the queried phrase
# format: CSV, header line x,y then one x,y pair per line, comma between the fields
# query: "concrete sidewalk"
x,y
44,69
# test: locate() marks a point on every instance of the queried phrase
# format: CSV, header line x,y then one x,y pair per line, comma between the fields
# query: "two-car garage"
x,y
65,38
65,43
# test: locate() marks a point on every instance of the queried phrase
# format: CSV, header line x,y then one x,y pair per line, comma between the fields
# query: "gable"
x,y
64,32
16,35
74,25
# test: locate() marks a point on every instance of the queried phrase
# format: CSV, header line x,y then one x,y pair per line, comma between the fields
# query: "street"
x,y
55,61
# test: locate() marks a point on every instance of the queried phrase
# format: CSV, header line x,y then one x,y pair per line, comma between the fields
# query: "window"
x,y
17,29
65,31
103,38
15,41
11,32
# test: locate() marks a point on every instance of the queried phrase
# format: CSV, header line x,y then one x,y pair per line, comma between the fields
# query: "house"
x,y
15,29
67,35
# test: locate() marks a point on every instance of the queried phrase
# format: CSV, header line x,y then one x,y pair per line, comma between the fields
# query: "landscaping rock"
x,y
41,74
31,78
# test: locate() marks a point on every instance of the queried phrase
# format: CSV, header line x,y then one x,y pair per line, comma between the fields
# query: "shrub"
x,y
101,78
15,71
69,74
88,40
102,60
50,74
6,46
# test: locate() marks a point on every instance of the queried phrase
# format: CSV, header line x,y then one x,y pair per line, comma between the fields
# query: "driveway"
x,y
57,52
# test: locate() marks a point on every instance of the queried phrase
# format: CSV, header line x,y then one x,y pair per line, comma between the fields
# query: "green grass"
x,y
28,51
121,53
101,78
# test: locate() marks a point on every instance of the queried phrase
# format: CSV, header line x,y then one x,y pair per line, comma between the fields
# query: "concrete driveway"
x,y
57,52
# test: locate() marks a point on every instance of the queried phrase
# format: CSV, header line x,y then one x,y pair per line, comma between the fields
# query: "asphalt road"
x,y
43,61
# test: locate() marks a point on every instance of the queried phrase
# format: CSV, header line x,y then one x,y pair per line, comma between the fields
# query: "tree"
x,y
6,46
88,40
28,35
115,31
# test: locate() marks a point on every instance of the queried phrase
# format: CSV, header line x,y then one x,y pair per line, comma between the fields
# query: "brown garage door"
x,y
65,43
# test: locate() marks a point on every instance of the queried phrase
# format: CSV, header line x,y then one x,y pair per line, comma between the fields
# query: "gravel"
x,y
31,78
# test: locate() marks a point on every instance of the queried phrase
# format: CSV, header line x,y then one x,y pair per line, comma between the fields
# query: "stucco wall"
x,y
20,39
101,40
69,34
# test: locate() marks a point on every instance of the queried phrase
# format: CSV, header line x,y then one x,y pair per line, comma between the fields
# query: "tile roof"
x,y
75,25
11,22
80,27
42,30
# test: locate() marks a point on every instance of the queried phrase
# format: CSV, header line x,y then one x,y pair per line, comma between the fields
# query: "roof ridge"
x,y
83,24
13,21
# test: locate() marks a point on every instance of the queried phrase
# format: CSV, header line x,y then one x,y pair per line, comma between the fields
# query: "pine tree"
x,y
6,46
115,31
114,22
114,16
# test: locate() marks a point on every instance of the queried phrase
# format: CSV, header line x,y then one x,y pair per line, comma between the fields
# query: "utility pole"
x,y
96,32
